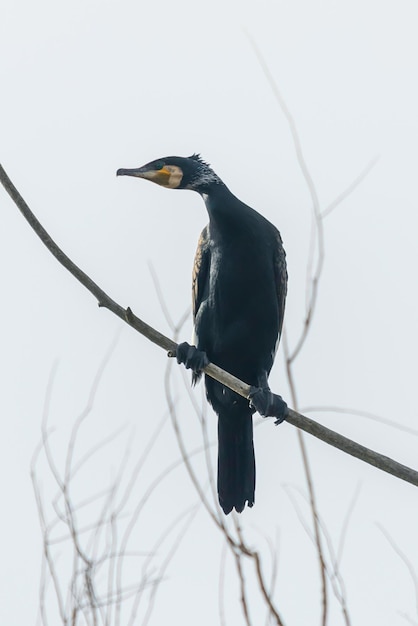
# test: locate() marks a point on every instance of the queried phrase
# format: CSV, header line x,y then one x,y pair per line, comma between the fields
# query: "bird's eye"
x,y
158,165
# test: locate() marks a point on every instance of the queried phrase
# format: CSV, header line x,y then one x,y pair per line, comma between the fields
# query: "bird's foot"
x,y
268,404
191,357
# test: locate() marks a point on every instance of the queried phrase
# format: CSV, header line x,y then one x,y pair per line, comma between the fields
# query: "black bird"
x,y
239,291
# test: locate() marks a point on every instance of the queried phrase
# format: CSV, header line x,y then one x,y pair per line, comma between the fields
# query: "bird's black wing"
x,y
201,268
280,272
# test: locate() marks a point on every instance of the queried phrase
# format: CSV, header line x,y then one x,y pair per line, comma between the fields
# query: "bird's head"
x,y
176,173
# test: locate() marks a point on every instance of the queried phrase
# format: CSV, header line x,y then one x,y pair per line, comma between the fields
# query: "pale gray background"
x,y
87,87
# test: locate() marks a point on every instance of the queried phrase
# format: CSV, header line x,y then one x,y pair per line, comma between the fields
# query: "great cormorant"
x,y
239,291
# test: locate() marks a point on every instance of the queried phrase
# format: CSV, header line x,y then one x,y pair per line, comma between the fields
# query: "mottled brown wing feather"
x,y
200,275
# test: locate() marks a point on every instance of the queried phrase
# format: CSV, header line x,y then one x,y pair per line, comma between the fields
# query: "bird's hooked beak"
x,y
168,176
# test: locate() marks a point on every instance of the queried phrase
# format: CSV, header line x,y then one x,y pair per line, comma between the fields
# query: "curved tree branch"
x,y
296,419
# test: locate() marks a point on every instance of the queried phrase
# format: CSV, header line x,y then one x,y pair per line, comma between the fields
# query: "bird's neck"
x,y
220,203
228,216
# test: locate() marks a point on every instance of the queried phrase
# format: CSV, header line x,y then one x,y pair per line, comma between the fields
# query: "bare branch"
x,y
296,419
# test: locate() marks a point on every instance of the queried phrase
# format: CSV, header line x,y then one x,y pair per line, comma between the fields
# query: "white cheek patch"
x,y
175,176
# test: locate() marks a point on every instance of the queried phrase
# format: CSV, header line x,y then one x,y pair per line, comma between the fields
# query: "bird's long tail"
x,y
236,463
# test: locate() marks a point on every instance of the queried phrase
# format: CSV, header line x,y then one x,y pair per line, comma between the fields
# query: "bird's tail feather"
x,y
236,462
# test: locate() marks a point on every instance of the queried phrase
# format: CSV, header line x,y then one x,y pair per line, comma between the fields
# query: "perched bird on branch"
x,y
239,291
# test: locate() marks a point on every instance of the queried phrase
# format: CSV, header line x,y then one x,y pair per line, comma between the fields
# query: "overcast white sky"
x,y
91,86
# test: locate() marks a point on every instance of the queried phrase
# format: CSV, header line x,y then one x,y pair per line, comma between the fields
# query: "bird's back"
x,y
239,305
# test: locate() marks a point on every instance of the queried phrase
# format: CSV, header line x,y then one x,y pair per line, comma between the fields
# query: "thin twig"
x,y
173,327
221,585
274,613
351,187
47,553
274,570
313,282
309,481
169,557
344,528
406,561
243,590
238,546
214,514
332,571
408,619
360,413
254,555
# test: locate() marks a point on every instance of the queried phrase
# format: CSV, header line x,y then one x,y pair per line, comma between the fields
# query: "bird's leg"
x,y
191,357
266,403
